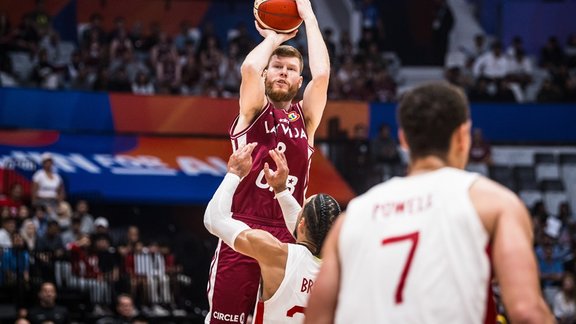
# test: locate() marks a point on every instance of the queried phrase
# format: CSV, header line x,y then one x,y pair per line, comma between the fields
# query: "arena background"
x,y
154,160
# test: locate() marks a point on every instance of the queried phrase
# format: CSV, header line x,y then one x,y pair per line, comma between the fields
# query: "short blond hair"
x,y
288,51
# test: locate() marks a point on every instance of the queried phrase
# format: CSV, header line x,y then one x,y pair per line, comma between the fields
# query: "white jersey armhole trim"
x,y
244,131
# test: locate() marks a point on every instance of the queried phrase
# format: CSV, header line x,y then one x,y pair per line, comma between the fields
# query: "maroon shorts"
x,y
234,279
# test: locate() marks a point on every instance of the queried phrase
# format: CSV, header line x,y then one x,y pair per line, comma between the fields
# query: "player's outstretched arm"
x,y
252,96
316,92
508,222
277,180
324,296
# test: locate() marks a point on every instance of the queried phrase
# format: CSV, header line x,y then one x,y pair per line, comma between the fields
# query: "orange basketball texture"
x,y
279,15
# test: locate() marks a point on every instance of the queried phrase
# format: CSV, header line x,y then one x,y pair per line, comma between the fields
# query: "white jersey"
x,y
47,186
413,250
287,305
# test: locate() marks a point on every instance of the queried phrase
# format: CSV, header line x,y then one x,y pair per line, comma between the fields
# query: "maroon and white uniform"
x,y
234,278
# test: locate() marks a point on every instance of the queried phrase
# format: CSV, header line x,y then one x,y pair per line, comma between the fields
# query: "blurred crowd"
x,y
43,239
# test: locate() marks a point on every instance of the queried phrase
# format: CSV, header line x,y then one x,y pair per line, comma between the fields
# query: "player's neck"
x,y
283,105
427,164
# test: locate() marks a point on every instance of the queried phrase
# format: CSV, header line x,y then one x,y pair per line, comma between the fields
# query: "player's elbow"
x,y
322,75
250,67
208,219
527,312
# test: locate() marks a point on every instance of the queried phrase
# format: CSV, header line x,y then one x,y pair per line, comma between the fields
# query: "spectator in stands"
x,y
242,39
328,35
7,76
47,311
108,265
492,65
551,271
191,76
564,305
120,45
41,18
125,311
384,86
120,81
163,48
28,233
131,238
6,232
76,73
520,69
94,32
441,27
101,228
358,157
74,233
229,71
58,52
63,215
45,74
142,84
26,37
15,267
15,197
118,29
22,215
551,55
479,49
384,152
549,92
86,274
480,149
480,91
517,45
183,37
47,185
51,242
168,73
151,265
83,212
137,38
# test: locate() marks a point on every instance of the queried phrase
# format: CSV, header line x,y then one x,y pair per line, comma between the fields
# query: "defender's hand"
x,y
240,162
277,179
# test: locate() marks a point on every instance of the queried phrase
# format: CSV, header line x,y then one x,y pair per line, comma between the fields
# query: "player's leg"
x,y
232,286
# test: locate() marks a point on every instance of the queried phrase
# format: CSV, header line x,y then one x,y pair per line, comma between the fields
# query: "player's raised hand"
x,y
277,179
281,37
305,9
240,161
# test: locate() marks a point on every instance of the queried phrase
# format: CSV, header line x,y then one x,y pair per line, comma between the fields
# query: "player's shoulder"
x,y
490,196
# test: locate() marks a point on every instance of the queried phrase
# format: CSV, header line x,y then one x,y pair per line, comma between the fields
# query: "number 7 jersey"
x,y
413,250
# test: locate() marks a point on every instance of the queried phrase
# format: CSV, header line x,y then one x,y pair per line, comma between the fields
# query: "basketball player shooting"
x,y
271,78
413,249
288,270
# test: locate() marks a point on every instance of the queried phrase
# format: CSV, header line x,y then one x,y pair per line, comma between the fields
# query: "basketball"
x,y
279,15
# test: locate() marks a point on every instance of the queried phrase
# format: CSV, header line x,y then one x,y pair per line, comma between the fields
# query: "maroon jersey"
x,y
273,128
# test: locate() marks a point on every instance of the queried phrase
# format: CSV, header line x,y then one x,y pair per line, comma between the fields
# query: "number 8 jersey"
x,y
413,250
273,128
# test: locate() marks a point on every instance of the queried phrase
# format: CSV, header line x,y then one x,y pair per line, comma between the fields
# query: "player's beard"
x,y
280,95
